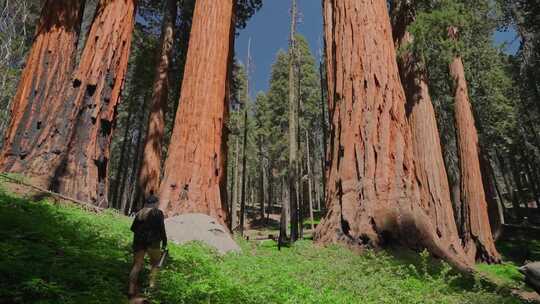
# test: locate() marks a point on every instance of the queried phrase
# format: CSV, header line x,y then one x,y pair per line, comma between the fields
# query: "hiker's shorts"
x,y
138,246
153,253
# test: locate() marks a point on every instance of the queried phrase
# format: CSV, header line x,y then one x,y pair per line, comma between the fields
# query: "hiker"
x,y
149,231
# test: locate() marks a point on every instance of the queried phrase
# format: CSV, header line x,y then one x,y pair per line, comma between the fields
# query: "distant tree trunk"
x,y
324,135
528,126
426,145
122,165
454,179
119,201
516,173
230,185
48,67
372,195
476,233
270,190
532,179
134,164
285,200
283,220
244,146
133,173
318,196
293,130
133,198
152,155
310,180
252,192
235,200
230,180
509,185
244,172
195,173
518,178
263,181
494,207
302,190
501,200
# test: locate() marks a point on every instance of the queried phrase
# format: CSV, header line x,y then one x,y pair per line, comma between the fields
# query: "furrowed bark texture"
x,y
430,171
49,65
87,120
194,173
372,194
153,146
476,231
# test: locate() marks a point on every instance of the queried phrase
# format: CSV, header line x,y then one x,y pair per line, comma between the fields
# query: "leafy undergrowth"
x,y
55,254
63,254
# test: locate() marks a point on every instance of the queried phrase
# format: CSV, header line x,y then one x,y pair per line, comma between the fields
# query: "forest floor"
x,y
53,252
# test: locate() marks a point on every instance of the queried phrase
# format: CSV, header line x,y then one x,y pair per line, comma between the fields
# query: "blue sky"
x,y
269,32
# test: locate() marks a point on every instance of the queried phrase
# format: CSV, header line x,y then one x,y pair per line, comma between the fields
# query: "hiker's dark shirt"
x,y
149,229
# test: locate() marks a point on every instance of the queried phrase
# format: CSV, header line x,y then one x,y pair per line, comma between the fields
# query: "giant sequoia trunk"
x,y
48,67
476,231
372,195
86,121
426,145
194,173
151,165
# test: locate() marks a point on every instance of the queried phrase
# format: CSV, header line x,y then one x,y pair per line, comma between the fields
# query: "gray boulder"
x,y
532,275
200,227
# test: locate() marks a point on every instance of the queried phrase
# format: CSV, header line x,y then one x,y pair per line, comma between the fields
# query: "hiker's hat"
x,y
151,200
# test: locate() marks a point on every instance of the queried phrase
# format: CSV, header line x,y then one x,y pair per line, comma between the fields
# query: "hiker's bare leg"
x,y
138,264
155,256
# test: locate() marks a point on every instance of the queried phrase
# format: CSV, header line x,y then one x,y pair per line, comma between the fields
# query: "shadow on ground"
x,y
51,256
520,244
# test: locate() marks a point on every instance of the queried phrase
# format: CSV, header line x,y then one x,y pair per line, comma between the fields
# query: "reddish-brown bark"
x,y
476,231
48,66
87,119
151,166
194,173
372,194
428,158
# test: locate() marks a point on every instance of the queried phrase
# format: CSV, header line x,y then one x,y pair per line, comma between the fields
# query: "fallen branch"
x,y
54,194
